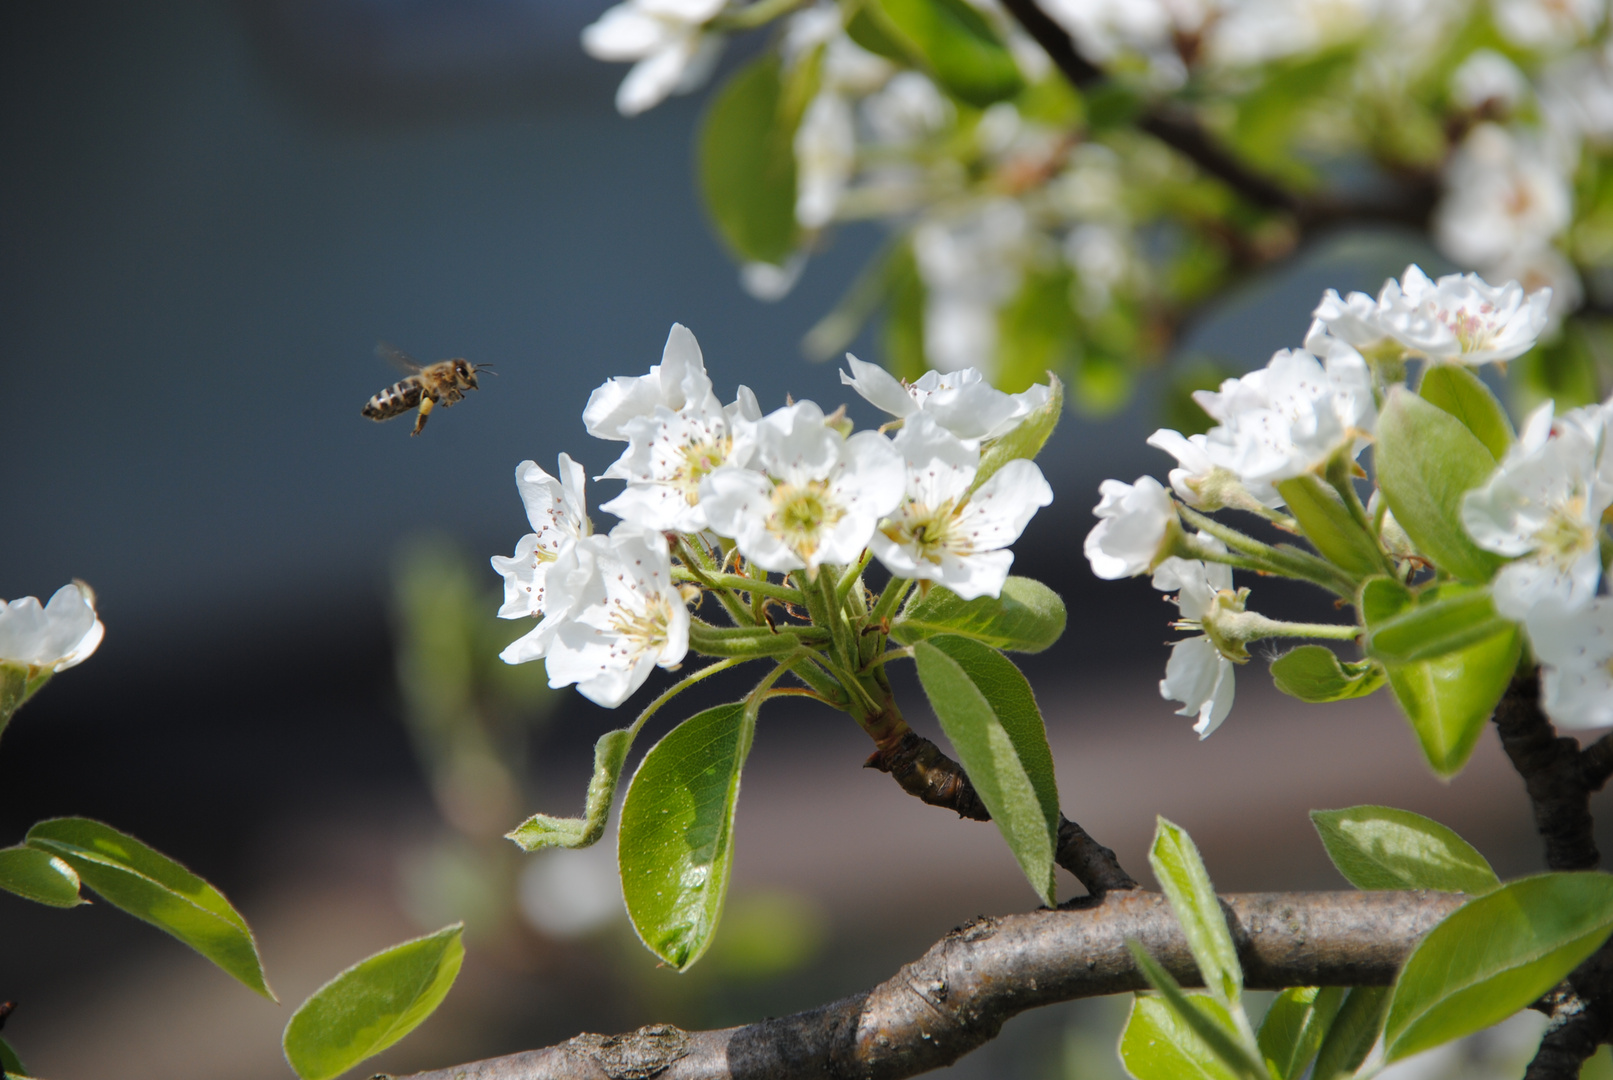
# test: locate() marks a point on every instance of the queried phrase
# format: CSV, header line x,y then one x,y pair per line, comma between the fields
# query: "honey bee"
x,y
443,383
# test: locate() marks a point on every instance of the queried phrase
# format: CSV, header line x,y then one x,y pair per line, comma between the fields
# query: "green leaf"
x,y
747,163
675,845
1382,598
38,876
1449,698
903,333
150,886
1426,460
1354,1031
372,1004
1329,525
1314,673
10,1064
1213,1026
1027,617
1181,873
1026,440
954,42
1463,394
1495,955
1296,1023
1157,1045
988,712
1379,847
542,831
1443,620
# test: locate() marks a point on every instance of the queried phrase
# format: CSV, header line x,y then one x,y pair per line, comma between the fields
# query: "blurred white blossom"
x,y
53,636
1487,78
1505,191
674,53
970,264
1535,24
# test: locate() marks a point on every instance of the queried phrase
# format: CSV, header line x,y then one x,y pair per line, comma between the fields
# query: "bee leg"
x,y
425,411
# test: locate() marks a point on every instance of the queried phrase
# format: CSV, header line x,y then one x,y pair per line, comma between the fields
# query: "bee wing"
x,y
397,357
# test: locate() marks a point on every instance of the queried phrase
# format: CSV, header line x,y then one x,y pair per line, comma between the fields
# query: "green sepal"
x,y
1315,674
543,831
1426,461
154,888
1380,847
1329,525
372,1004
989,714
1463,394
1027,617
1027,439
675,841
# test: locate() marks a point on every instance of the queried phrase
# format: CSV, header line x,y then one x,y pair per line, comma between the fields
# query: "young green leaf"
x,y
1329,525
1494,955
38,876
151,886
675,843
1026,440
747,163
1426,460
1214,1026
1463,394
1157,1045
1379,847
1354,1030
1444,620
372,1004
10,1064
1314,673
1181,873
1449,698
988,712
543,831
1294,1027
954,42
1027,617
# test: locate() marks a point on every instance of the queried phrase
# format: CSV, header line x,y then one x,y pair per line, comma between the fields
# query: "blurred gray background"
x,y
210,214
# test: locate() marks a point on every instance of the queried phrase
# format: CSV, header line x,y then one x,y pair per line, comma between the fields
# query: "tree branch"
x,y
1557,774
923,771
959,993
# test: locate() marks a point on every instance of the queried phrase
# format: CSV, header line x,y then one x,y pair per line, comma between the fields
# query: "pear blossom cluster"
x,y
1299,426
994,201
794,492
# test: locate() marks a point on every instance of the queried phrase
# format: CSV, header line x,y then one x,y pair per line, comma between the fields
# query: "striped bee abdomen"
x,y
395,400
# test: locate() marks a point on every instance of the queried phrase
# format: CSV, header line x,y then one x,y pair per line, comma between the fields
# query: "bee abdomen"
x,y
395,400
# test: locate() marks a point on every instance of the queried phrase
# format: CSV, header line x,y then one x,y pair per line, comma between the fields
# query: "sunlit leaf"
x,y
1444,619
372,1004
1181,873
1204,1016
1294,1027
1314,673
1463,394
1027,617
990,716
1329,525
150,886
675,842
1157,1044
1349,1040
1495,955
38,876
1379,847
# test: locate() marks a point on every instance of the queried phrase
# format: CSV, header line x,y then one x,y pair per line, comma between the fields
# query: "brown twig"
x,y
926,773
959,993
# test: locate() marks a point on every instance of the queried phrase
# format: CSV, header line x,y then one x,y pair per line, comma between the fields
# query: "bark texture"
x,y
960,992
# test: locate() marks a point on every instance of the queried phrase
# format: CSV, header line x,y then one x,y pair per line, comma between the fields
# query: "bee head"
x,y
465,372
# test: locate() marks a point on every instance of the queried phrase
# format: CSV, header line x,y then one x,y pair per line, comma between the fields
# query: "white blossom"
x,y
825,158
673,52
1543,508
53,636
961,401
1354,320
558,513
1576,94
816,498
1292,416
1462,318
670,450
1536,24
1197,674
680,378
1204,485
971,265
1488,78
942,531
906,109
1545,268
1504,192
1575,650
1134,522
